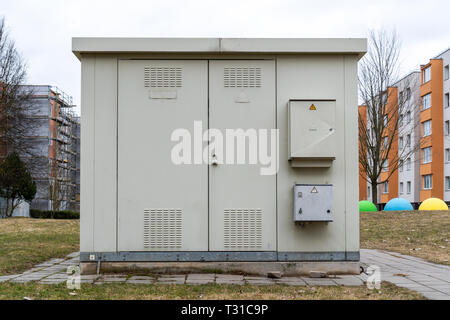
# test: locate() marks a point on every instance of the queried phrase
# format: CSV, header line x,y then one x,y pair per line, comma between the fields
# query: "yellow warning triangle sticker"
x,y
313,107
314,190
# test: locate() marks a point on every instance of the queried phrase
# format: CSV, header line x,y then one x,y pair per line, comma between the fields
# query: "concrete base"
x,y
251,268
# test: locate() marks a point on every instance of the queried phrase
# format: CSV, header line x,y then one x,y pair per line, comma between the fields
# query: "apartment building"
x,y
54,161
402,103
423,125
409,139
57,180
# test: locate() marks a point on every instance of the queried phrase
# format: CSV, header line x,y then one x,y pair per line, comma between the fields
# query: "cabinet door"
x,y
242,200
162,206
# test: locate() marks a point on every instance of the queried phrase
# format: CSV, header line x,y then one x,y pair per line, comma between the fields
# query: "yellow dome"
x,y
433,204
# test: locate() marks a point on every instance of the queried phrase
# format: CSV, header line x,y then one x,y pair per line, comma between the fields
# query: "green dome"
x,y
365,205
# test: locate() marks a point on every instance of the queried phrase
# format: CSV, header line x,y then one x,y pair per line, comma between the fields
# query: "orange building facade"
x,y
431,93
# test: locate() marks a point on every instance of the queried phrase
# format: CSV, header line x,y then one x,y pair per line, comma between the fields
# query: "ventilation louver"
x,y
162,77
249,77
243,228
162,228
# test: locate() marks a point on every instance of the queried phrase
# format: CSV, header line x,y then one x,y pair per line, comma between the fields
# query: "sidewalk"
x,y
54,272
429,279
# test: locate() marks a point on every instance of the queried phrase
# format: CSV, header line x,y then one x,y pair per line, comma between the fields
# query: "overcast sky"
x,y
43,29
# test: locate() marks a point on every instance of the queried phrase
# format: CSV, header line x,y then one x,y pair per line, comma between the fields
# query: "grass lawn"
x,y
424,234
207,292
27,242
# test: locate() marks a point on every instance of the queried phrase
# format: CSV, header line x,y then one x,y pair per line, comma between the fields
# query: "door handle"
x,y
214,161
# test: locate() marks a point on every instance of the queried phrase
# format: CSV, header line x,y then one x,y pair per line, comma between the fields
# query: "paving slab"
x,y
56,260
172,276
201,276
44,265
150,281
119,280
319,282
199,281
260,282
88,281
238,282
73,255
255,278
170,281
298,282
141,278
29,278
231,277
58,276
6,278
89,276
349,281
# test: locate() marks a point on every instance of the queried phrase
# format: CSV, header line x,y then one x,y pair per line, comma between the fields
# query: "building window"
x,y
426,128
408,187
385,120
446,72
426,155
385,165
400,143
385,142
408,164
447,183
400,120
427,182
400,166
426,74
447,100
400,97
368,192
447,155
408,116
447,127
426,101
385,187
408,140
408,94
401,187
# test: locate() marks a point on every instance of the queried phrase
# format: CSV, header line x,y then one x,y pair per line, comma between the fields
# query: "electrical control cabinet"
x,y
192,149
313,202
312,133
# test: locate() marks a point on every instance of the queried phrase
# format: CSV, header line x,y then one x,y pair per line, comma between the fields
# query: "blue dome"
x,y
398,204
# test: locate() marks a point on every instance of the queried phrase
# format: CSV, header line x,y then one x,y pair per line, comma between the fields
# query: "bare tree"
x,y
17,110
385,113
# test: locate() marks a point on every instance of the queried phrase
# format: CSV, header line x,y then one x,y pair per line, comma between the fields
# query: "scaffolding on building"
x,y
63,186
58,174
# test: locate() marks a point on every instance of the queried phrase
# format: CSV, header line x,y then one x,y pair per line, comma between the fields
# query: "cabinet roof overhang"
x,y
342,46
